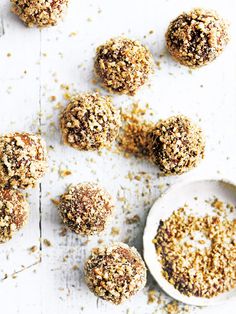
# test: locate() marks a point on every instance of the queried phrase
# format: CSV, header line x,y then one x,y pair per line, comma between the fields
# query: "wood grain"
x,y
40,62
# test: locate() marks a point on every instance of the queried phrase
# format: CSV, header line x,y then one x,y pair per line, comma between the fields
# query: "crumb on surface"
x,y
47,243
64,173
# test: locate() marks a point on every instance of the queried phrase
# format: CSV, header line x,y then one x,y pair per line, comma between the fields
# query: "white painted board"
x,y
43,60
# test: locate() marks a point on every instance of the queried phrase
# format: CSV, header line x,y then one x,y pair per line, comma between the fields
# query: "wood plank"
x,y
64,55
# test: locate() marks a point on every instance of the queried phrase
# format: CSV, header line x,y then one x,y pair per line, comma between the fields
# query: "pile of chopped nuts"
x,y
123,65
23,160
133,138
14,210
41,13
196,38
198,254
90,122
115,272
86,208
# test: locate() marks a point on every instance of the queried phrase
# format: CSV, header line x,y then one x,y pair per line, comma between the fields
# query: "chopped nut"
x,y
64,173
33,249
75,267
55,202
115,231
218,204
52,98
172,308
133,220
47,243
152,296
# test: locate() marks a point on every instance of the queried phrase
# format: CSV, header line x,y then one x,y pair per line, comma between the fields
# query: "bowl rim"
x,y
169,289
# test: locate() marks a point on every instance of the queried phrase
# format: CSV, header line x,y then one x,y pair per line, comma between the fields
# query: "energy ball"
x,y
23,160
123,65
176,145
90,122
115,273
196,38
86,208
40,13
14,210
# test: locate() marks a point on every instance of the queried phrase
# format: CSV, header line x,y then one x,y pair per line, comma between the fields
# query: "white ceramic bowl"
x,y
174,198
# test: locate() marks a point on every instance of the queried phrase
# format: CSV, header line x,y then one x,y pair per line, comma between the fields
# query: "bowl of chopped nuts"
x,y
190,241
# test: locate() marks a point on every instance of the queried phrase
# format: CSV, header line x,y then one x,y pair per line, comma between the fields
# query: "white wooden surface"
x,y
44,282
